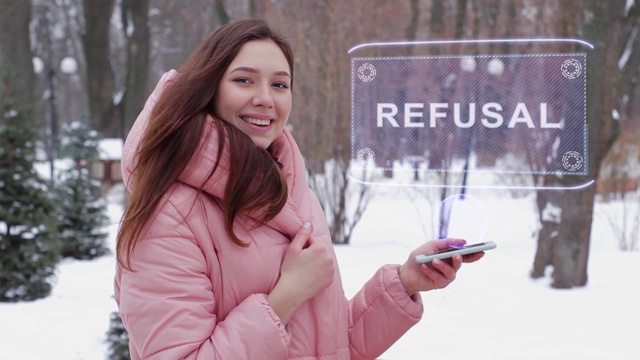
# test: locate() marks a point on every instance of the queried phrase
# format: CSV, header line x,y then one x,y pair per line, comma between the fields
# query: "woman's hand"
x,y
438,273
308,268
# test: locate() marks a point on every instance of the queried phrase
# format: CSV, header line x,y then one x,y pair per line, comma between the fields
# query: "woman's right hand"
x,y
308,268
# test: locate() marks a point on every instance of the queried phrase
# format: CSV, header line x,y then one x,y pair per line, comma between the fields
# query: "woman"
x,y
224,252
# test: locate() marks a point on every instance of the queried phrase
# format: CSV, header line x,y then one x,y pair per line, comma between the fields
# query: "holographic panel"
x,y
440,110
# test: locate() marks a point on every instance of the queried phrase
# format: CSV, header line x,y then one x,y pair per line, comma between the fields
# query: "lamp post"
x,y
68,66
495,67
39,68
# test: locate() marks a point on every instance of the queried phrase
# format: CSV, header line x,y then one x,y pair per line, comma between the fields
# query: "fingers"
x,y
439,244
456,262
302,237
450,242
448,271
472,257
442,244
440,273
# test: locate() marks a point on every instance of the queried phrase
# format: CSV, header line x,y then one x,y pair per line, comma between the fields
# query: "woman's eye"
x,y
242,80
281,85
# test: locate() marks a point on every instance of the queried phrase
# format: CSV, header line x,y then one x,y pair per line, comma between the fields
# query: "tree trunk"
x,y
138,43
100,77
563,242
548,232
16,66
221,11
571,255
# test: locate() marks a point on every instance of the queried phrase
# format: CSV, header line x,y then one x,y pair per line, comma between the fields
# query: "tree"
x,y
15,51
28,242
223,16
117,339
100,77
563,241
135,21
81,208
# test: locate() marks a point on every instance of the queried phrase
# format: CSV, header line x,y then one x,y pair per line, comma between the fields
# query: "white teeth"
x,y
256,121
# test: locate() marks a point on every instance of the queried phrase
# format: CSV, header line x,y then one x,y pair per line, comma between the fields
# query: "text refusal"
x,y
525,113
491,112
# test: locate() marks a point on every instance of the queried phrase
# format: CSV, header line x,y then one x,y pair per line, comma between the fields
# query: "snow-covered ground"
x,y
492,311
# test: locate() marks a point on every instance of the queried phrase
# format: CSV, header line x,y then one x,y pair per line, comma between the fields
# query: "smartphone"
x,y
463,250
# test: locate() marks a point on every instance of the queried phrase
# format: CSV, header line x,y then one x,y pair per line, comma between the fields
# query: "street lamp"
x,y
68,66
67,104
495,67
38,65
39,68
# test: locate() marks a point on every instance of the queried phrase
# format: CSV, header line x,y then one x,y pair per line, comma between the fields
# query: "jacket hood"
x,y
296,211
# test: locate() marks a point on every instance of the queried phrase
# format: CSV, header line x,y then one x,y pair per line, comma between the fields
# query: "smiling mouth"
x,y
254,121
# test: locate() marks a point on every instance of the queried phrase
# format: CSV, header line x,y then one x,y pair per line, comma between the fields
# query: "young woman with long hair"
x,y
224,251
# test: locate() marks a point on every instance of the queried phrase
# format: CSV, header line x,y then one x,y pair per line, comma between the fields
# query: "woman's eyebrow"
x,y
253,70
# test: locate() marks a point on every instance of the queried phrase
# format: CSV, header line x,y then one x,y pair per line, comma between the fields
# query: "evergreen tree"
x,y
82,213
117,339
28,243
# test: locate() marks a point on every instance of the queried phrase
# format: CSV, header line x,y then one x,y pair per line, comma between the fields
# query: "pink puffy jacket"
x,y
195,294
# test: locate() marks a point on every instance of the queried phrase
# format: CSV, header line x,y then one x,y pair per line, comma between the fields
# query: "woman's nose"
x,y
263,97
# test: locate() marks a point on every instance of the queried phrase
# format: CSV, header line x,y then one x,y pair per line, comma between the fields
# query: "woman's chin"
x,y
262,143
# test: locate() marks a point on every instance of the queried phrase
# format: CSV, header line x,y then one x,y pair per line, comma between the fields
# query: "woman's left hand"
x,y
438,273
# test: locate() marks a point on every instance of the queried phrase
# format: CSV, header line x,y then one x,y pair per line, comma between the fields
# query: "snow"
x,y
628,49
38,65
44,168
552,213
110,149
492,311
627,6
131,24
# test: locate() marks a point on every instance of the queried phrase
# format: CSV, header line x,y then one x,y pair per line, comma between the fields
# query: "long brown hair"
x,y
176,125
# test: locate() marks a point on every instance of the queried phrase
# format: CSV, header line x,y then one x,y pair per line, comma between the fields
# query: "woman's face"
x,y
255,92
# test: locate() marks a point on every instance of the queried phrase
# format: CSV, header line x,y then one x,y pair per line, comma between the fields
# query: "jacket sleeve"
x,y
380,313
167,303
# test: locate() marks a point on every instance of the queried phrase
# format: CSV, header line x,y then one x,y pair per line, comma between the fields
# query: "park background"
x,y
561,283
